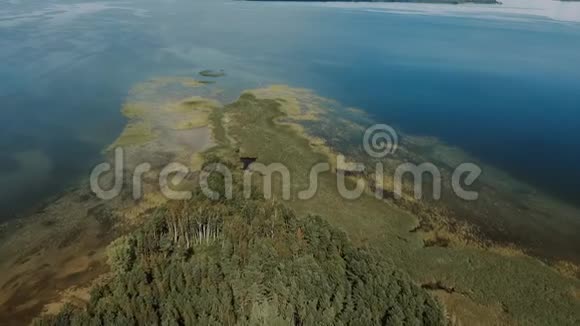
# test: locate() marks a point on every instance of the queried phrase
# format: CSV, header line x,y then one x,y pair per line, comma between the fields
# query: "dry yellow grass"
x,y
152,198
576,293
196,162
134,110
507,251
135,133
75,295
567,268
462,311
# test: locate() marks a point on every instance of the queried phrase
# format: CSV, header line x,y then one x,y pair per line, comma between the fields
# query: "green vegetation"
x,y
247,262
133,110
526,289
195,103
197,121
135,134
253,262
198,110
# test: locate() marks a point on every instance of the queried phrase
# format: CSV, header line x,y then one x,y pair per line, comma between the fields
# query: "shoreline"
x,y
443,2
392,229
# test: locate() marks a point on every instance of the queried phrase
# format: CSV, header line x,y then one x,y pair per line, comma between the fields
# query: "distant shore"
x,y
454,2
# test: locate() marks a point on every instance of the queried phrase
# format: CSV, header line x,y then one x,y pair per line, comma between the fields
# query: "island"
x,y
248,259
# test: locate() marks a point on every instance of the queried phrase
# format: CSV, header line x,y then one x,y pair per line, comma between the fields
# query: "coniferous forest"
x,y
246,262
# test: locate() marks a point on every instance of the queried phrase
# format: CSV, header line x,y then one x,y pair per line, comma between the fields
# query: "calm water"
x,y
503,86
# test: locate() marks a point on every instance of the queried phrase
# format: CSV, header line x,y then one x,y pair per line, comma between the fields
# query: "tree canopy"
x,y
247,262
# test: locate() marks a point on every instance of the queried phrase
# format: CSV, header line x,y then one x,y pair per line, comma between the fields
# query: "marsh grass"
x,y
133,110
567,268
195,103
491,287
196,162
195,112
529,291
135,133
198,121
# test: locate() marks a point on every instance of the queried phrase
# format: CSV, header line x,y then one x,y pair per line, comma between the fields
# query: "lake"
x,y
502,82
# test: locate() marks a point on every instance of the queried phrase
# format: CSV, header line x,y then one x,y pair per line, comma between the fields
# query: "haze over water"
x,y
502,84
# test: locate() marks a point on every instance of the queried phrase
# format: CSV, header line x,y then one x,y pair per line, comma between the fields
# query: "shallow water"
x,y
502,84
